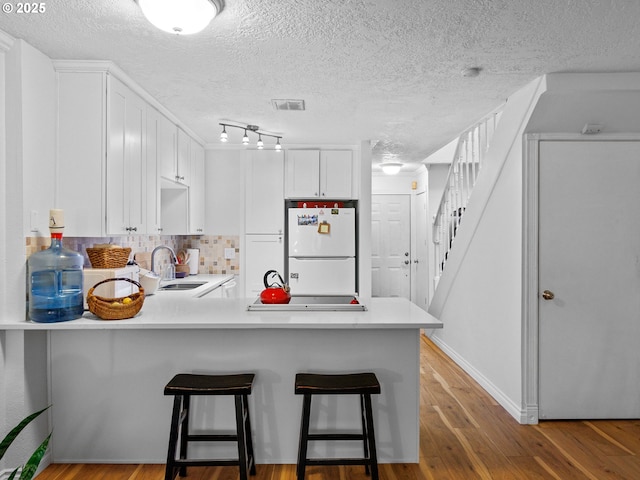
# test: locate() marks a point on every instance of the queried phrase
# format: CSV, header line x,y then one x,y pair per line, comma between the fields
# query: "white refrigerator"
x,y
322,251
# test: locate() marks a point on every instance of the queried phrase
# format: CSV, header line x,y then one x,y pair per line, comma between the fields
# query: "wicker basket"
x,y
104,307
108,257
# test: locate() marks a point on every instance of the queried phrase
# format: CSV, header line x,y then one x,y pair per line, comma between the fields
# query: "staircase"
x,y
463,174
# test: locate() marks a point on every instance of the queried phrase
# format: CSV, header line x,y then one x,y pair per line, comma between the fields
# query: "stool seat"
x,y
192,384
337,384
185,385
362,384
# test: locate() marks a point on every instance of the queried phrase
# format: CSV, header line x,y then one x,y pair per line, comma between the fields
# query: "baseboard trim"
x,y
505,402
44,463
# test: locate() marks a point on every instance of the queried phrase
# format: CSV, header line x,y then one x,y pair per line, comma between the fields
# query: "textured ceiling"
x,y
388,71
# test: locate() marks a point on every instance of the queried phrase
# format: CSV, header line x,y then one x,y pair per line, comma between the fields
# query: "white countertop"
x,y
184,310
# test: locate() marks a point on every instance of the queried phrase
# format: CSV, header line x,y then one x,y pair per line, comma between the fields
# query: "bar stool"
x,y
363,384
183,386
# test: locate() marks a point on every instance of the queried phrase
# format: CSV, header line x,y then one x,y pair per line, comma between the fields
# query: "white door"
x,y
420,275
391,246
589,261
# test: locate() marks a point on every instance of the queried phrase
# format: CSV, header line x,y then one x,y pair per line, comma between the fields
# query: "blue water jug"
x,y
55,278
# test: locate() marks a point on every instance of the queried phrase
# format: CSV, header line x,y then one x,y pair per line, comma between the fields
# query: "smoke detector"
x,y
286,104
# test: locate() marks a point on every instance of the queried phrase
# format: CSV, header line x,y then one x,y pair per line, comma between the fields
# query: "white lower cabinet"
x,y
262,253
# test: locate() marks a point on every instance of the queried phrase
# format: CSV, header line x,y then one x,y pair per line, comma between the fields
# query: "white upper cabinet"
x,y
176,154
336,174
81,159
319,174
303,174
183,158
167,148
264,200
154,204
126,160
116,156
196,190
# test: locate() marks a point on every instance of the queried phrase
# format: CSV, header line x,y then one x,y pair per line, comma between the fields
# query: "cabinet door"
x,y
303,174
126,128
154,204
336,167
262,253
196,190
183,165
167,148
81,152
264,205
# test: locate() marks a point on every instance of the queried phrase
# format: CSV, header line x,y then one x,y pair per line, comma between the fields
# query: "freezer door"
x,y
322,232
322,276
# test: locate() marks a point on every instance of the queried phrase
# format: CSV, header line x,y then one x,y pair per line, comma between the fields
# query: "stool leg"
x,y
170,471
371,437
365,437
304,436
184,431
242,437
247,428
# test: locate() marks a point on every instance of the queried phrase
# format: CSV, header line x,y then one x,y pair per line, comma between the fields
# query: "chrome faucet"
x,y
170,272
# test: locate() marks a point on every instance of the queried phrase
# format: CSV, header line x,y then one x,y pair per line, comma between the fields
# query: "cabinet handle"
x,y
131,229
160,229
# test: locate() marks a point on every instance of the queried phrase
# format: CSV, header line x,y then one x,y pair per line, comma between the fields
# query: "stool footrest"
x,y
219,437
338,461
205,463
335,436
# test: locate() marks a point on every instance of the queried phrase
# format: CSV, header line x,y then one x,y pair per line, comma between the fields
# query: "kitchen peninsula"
x,y
107,377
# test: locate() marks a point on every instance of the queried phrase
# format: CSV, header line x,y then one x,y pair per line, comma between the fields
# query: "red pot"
x,y
274,292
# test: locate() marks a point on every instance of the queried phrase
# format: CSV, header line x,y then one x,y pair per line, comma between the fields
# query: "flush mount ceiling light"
x,y
391,168
224,137
182,17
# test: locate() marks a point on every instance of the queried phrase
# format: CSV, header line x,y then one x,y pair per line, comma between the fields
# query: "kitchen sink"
x,y
182,286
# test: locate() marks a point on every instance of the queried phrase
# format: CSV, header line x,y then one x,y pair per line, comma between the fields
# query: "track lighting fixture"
x,y
245,139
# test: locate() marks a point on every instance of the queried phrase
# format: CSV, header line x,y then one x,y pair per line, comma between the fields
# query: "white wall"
x,y
479,295
29,127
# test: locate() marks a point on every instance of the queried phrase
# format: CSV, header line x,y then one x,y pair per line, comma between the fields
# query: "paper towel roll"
x,y
194,260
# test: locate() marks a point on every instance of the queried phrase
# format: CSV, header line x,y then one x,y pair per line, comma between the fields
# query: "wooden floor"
x,y
464,435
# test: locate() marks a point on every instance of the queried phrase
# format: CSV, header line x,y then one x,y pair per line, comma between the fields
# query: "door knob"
x,y
548,295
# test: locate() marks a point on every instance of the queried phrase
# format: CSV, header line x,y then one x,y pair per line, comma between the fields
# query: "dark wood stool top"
x,y
349,383
192,384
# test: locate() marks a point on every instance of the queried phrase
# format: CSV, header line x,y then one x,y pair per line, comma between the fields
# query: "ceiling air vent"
x,y
291,105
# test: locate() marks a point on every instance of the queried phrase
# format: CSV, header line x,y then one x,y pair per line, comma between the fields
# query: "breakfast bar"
x,y
107,377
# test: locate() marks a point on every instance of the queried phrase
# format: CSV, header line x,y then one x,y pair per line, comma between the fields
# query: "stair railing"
x,y
463,174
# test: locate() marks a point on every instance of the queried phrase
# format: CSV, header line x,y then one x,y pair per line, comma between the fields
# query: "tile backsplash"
x,y
212,248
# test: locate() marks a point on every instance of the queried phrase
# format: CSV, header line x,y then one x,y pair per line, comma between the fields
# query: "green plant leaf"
x,y
29,470
13,474
11,436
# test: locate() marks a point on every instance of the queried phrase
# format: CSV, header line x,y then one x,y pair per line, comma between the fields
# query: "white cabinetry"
x,y
101,162
264,201
154,204
126,160
262,253
81,158
264,217
196,190
176,156
319,174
